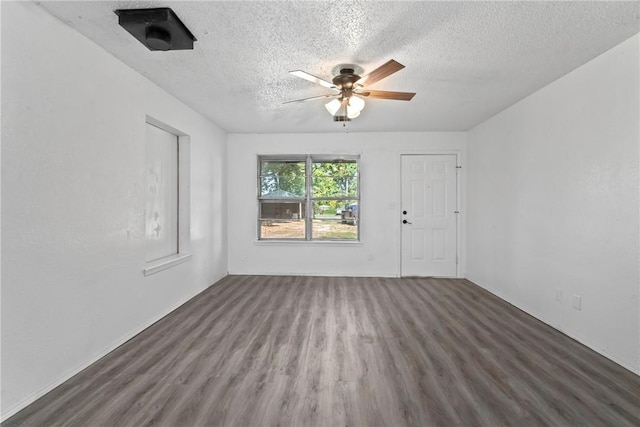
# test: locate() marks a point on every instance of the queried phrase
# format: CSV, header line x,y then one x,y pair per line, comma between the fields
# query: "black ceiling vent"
x,y
157,29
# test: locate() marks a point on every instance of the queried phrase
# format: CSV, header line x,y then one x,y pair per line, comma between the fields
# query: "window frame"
x,y
309,198
183,203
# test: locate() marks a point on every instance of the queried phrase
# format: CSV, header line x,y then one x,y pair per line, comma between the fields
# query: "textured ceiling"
x,y
466,60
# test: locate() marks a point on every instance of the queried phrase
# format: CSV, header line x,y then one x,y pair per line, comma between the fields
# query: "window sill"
x,y
164,263
284,242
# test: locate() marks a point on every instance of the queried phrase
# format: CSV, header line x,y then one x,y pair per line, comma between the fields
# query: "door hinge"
x,y
458,167
456,212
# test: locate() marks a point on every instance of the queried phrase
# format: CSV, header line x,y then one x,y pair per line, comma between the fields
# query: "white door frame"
x,y
460,197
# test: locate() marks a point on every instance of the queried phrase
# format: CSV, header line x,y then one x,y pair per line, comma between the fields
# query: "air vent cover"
x,y
157,28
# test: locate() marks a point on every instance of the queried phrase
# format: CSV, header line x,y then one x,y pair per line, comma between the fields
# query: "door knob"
x,y
404,212
404,221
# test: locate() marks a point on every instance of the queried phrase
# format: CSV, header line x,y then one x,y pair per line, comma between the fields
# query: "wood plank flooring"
x,y
311,351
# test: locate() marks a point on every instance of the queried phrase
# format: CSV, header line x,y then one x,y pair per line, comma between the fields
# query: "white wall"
x,y
553,204
73,156
378,254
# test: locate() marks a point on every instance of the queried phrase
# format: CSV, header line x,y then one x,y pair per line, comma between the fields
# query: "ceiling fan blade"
x,y
329,95
380,73
312,78
384,94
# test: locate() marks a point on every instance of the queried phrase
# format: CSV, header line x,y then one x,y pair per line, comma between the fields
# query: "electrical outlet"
x,y
559,295
577,302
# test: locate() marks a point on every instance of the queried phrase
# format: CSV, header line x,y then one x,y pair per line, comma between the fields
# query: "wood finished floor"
x,y
310,351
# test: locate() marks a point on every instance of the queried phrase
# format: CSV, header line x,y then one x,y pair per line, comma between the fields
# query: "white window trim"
x,y
318,242
184,202
165,263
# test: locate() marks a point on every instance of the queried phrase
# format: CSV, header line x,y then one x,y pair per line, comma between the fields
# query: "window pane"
x,y
329,209
282,179
281,229
282,219
335,179
282,209
324,229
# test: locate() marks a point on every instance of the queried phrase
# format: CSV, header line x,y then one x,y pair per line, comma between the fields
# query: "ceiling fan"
x,y
348,101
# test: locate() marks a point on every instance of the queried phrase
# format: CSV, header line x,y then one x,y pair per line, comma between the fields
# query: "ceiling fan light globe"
x,y
333,106
352,114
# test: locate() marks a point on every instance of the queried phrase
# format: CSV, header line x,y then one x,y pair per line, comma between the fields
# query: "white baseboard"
x,y
309,274
44,390
569,333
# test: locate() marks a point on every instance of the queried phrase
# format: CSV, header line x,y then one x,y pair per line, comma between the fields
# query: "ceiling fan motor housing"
x,y
346,78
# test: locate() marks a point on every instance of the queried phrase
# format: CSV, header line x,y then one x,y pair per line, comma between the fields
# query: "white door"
x,y
429,215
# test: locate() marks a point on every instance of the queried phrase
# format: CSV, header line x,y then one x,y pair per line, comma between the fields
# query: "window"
x,y
308,198
161,213
166,197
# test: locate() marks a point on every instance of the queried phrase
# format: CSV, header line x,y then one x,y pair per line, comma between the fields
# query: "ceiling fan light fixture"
x,y
352,114
333,106
349,109
356,103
